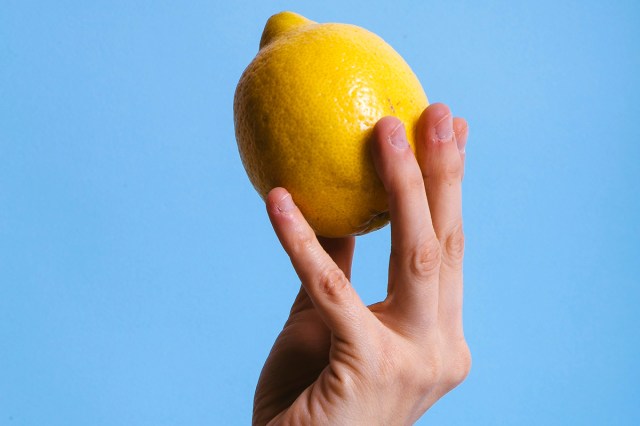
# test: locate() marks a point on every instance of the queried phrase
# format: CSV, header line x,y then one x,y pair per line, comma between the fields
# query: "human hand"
x,y
337,361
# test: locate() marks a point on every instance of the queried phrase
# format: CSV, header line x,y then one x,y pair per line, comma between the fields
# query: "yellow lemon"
x,y
304,111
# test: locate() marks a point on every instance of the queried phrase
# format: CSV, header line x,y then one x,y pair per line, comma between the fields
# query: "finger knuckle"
x,y
333,283
428,375
449,169
425,261
432,371
453,246
303,242
459,366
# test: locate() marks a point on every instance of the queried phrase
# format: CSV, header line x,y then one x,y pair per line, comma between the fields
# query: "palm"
x,y
297,358
301,351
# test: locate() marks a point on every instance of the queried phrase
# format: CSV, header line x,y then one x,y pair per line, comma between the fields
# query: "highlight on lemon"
x,y
304,110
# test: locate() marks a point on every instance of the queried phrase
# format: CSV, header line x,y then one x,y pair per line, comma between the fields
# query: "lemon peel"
x,y
304,110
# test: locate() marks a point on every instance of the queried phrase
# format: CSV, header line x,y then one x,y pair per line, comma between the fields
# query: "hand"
x,y
339,362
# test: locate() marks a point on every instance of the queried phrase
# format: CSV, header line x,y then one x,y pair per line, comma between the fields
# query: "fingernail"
x,y
285,205
398,137
461,141
444,128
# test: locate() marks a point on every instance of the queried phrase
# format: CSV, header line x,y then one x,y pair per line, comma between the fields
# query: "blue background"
x,y
140,280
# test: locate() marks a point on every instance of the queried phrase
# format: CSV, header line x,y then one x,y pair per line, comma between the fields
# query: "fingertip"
x,y
435,112
276,194
386,125
436,124
279,200
282,212
461,130
287,220
389,130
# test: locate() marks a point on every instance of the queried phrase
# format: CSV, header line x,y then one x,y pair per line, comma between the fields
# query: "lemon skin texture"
x,y
304,111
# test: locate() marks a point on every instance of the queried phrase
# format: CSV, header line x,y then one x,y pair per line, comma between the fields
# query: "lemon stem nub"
x,y
281,23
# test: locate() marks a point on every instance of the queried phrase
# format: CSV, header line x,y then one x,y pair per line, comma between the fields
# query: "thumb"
x,y
326,284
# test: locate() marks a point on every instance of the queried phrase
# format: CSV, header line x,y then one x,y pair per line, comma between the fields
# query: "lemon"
x,y
304,110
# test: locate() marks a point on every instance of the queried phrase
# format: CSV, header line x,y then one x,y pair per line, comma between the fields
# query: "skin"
x,y
340,362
